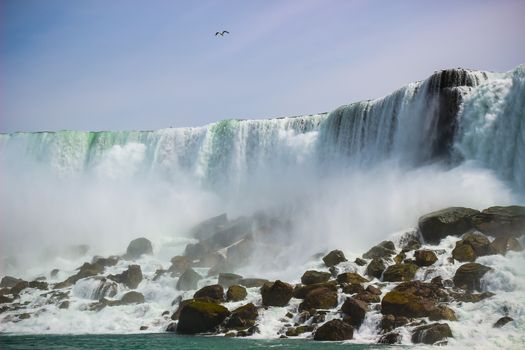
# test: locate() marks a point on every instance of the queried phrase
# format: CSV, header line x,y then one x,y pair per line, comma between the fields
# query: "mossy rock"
x,y
320,298
399,303
463,252
425,257
351,278
314,277
431,333
236,293
468,276
400,272
375,268
198,316
334,330
276,294
453,221
215,292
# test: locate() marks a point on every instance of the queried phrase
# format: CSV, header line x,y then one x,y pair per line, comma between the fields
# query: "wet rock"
x,y
207,228
334,330
479,242
301,291
252,282
236,293
353,288
356,309
400,272
179,264
215,292
319,298
368,297
442,312
139,247
463,252
409,241
375,268
425,257
276,294
86,270
453,221
501,221
314,277
106,288
468,276
188,280
351,278
503,244
228,279
38,285
131,277
54,273
383,250
373,290
399,258
360,262
143,328
105,262
334,271
131,297
399,303
390,338
334,258
471,297
198,316
19,287
5,300
296,331
24,316
64,305
172,327
503,321
431,333
9,281
243,317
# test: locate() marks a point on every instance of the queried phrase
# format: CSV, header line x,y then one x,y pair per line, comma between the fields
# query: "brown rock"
x,y
334,330
334,258
351,278
431,333
236,293
276,294
425,257
356,309
320,298
314,277
468,276
401,272
215,292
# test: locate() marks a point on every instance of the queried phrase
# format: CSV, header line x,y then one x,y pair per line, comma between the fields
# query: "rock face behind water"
x,y
198,316
453,221
334,330
139,247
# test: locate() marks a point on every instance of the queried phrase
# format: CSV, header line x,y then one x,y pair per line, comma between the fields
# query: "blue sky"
x,y
128,65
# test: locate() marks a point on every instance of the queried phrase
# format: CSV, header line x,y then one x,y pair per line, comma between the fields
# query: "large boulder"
x,y
243,317
319,298
86,270
179,264
468,276
431,333
425,257
198,316
132,297
453,221
130,278
356,309
383,250
351,278
139,247
276,294
333,258
463,252
106,288
314,277
8,281
399,303
301,291
334,330
207,228
479,242
228,279
236,293
503,321
252,282
400,272
501,221
376,268
503,244
189,280
215,292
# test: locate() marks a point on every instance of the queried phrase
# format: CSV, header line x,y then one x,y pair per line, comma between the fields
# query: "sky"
x,y
142,65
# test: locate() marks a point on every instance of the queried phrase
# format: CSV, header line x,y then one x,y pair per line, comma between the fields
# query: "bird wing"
x,y
225,31
217,33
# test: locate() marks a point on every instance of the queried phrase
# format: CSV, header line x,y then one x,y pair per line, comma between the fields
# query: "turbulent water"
x,y
346,179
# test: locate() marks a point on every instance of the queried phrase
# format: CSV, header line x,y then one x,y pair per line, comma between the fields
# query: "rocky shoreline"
x,y
393,288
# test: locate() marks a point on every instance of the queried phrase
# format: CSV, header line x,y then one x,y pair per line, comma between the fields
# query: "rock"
x,y
188,280
479,243
64,305
197,316
384,249
139,247
38,285
425,257
453,221
131,277
179,264
501,221
334,258
503,321
442,312
402,303
5,300
399,258
296,331
252,282
131,297
172,327
215,292
360,262
353,288
233,233
373,290
86,270
351,278
314,277
409,241
468,276
320,298
334,330
401,272
390,338
431,333
375,268
228,279
276,294
334,271
24,316
471,297
106,288
143,328
105,262
301,291
368,297
9,281
356,309
20,286
390,322
463,252
243,317
236,293
207,228
503,244
54,273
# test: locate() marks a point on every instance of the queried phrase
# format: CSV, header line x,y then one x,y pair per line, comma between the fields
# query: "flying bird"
x,y
222,33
